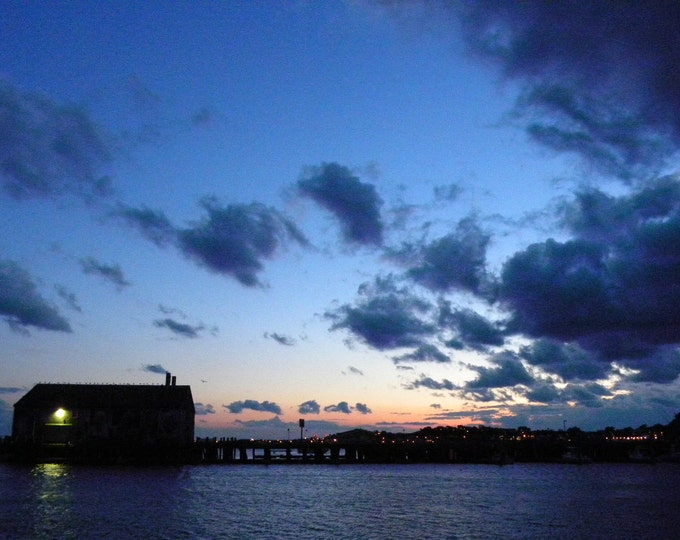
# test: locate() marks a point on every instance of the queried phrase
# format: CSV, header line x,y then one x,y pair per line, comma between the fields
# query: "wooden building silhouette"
x,y
104,422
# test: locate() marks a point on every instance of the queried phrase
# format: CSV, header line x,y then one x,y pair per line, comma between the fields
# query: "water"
x,y
347,501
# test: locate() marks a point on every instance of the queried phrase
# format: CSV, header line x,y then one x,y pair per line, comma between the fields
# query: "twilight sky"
x,y
365,214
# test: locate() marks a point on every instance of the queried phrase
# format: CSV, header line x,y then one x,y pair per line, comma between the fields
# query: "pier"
x,y
245,451
333,451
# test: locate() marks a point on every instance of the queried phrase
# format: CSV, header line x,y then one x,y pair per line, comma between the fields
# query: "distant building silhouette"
x,y
104,422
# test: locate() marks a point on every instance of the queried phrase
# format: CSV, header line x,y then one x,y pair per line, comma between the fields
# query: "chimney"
x,y
174,380
167,378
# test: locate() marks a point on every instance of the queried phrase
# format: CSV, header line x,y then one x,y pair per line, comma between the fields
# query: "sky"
x,y
385,215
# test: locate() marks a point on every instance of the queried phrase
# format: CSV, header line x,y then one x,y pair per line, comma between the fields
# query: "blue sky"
x,y
367,214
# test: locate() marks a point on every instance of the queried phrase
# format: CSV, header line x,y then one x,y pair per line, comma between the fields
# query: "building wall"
x,y
148,426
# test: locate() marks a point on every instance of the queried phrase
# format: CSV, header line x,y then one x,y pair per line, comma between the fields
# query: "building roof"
x,y
108,396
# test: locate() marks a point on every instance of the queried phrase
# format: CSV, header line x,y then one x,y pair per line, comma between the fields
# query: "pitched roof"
x,y
107,396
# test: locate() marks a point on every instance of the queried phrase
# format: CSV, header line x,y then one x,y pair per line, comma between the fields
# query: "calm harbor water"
x,y
347,501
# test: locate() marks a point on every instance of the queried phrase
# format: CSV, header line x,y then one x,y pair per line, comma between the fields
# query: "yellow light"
x,y
60,413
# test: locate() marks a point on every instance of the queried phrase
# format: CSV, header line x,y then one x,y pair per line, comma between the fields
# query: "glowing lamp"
x,y
60,413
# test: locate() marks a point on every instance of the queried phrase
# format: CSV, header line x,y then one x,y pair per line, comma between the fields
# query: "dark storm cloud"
x,y
471,329
309,407
384,317
615,147
429,382
362,408
265,406
342,407
179,328
234,239
507,371
354,203
154,368
231,240
280,338
202,409
456,261
423,353
110,272
602,77
569,361
544,393
613,288
589,394
22,306
662,366
47,149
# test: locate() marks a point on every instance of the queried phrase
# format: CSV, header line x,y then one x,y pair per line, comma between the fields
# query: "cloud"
x,y
428,382
355,204
154,368
601,79
613,288
68,297
144,99
47,149
471,328
111,273
22,306
342,407
598,81
567,360
353,370
11,389
179,328
280,338
456,261
151,224
309,407
265,406
203,117
232,240
507,371
447,193
423,353
202,410
167,310
362,408
545,393
662,366
385,316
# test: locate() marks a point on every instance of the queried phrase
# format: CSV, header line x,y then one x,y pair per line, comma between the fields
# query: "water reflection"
x,y
51,514
309,502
